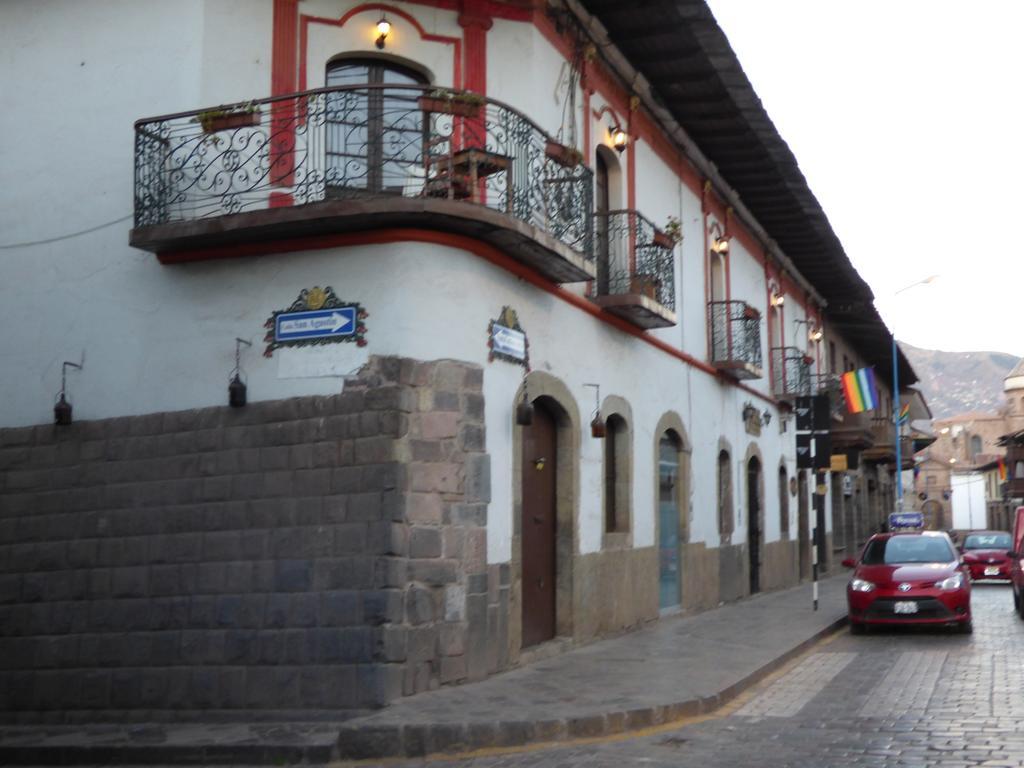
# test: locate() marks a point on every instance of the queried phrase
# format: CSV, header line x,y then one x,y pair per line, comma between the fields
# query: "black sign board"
x,y
822,450
822,413
804,414
803,452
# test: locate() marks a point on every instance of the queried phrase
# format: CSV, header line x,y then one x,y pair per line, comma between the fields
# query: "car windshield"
x,y
908,549
987,541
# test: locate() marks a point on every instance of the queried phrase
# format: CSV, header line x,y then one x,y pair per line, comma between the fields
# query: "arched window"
x,y
669,451
783,503
725,509
374,131
1018,470
616,475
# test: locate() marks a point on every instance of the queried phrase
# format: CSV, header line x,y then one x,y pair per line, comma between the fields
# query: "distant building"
x,y
968,442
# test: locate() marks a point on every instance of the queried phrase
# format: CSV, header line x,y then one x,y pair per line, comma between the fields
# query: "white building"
x,y
380,517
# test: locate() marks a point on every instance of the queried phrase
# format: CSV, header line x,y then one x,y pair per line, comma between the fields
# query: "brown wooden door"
x,y
538,526
754,523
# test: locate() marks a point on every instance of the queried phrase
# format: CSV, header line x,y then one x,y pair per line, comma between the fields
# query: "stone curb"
x,y
419,740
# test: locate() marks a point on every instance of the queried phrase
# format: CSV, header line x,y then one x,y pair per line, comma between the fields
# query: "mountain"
x,y
955,382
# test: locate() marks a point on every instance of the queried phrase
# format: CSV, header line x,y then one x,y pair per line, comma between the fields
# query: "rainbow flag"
x,y
1002,470
904,414
860,390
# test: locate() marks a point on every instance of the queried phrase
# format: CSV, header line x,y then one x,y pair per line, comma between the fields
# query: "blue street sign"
x,y
317,324
906,520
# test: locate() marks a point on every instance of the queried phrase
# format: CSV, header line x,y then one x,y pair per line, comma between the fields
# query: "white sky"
x,y
907,119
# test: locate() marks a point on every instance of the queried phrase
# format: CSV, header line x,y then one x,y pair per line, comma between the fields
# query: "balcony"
x,y
1014,486
357,158
883,448
849,431
791,373
635,269
735,338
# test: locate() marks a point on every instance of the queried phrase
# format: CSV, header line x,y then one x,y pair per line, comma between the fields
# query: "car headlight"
x,y
953,582
859,585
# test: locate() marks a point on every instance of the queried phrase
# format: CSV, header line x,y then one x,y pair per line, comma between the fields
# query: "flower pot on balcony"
x,y
645,285
808,360
227,121
750,313
568,157
663,239
454,106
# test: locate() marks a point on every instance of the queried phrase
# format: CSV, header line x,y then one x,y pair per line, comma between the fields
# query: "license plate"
x,y
908,606
992,570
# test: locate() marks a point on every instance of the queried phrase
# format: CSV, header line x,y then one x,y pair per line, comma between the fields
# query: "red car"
x,y
985,554
909,578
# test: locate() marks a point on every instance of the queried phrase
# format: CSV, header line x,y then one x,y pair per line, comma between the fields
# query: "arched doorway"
x,y
803,525
754,528
539,525
669,584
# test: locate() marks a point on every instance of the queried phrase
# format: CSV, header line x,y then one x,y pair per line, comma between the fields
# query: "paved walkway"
x,y
677,667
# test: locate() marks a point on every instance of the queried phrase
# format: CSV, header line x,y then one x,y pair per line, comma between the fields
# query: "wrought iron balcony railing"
x,y
635,268
830,385
735,338
357,143
791,372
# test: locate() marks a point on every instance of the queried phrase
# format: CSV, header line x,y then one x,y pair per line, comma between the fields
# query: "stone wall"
x,y
321,553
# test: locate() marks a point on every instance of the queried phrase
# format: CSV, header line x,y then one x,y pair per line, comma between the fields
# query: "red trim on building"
x,y
461,242
305,21
283,73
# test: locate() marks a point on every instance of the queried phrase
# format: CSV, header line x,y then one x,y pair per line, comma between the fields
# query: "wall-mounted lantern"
x,y
620,139
524,410
383,30
598,428
237,394
720,245
62,410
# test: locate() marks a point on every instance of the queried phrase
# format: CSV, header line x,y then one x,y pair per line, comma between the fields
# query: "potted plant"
x,y
808,360
645,285
464,104
671,235
568,157
750,313
228,118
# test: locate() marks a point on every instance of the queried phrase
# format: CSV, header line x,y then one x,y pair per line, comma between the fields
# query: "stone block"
x,y
391,572
245,646
387,476
433,572
304,610
339,609
469,514
438,478
425,542
478,478
424,508
383,606
313,482
422,643
222,545
378,684
472,437
337,687
350,538
391,644
293,575
351,645
346,480
129,582
453,669
301,646
364,507
211,579
454,602
420,606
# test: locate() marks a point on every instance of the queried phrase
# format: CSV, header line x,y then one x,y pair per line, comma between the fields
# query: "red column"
x,y
283,74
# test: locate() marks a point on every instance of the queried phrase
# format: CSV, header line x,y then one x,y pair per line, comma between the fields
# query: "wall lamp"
x,y
620,139
815,334
598,428
383,30
524,410
750,413
62,410
777,299
236,387
720,245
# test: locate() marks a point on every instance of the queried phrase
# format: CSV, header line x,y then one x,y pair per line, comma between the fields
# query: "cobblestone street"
x,y
893,698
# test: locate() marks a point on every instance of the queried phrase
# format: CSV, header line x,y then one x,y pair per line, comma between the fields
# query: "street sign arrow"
x,y
316,324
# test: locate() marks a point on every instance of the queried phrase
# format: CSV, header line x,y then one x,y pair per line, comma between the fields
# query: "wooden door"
x,y
540,444
754,523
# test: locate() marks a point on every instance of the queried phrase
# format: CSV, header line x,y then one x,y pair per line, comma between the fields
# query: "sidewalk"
x,y
677,667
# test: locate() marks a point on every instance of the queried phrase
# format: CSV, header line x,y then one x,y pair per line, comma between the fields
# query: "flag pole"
x,y
896,423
